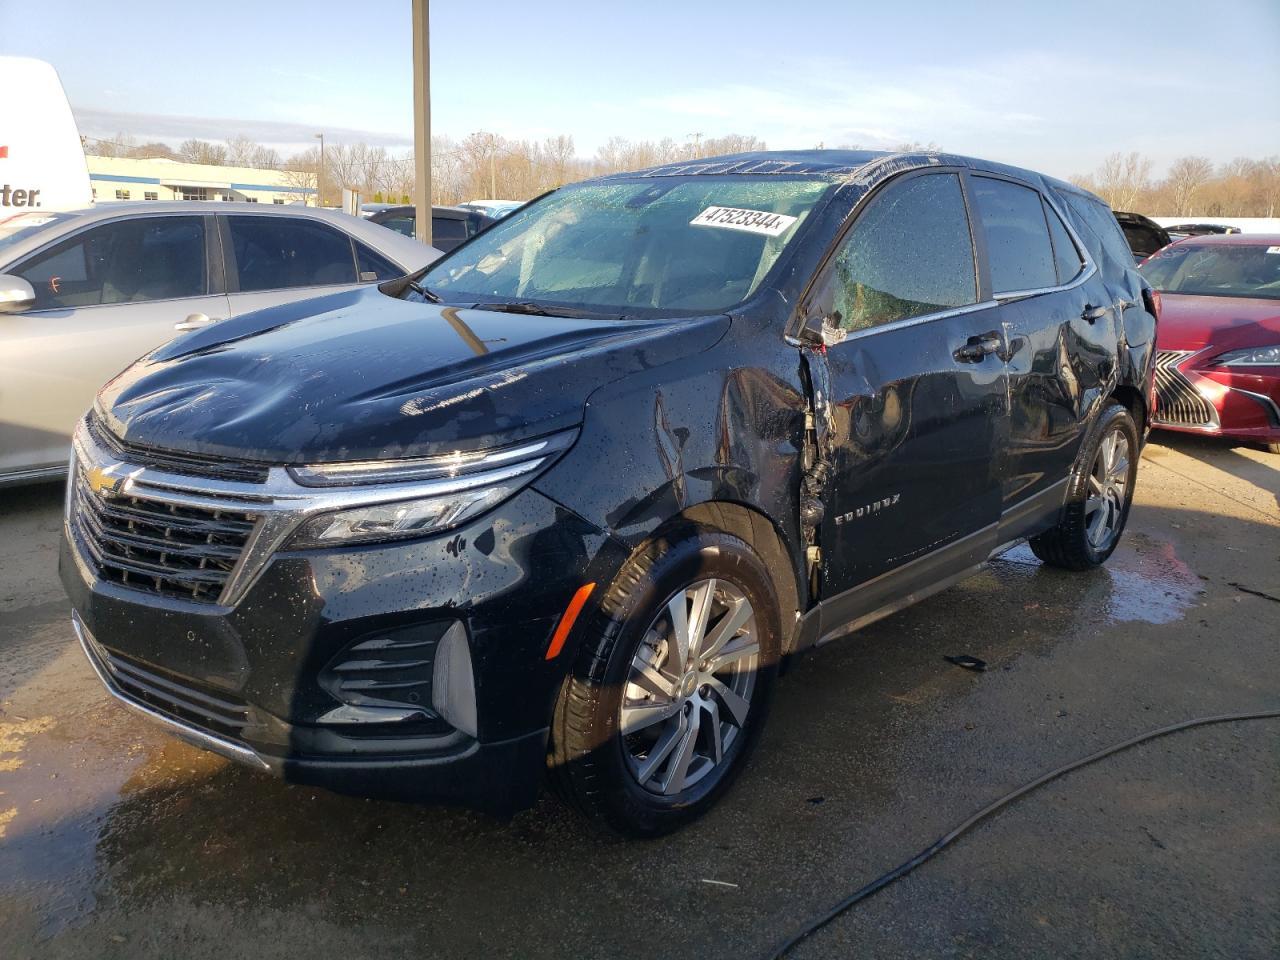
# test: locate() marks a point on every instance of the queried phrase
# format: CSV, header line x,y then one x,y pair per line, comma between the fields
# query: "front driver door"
x,y
918,402
104,297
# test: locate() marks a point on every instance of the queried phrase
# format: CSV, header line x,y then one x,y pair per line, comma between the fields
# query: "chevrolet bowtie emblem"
x,y
103,483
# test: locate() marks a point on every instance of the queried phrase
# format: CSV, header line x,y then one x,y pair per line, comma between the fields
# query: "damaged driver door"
x,y
910,403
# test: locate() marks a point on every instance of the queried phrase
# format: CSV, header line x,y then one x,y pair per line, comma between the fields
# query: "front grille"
x,y
214,711
175,550
188,464
1179,401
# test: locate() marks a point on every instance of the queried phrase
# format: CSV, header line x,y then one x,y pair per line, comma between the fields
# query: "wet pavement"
x,y
118,841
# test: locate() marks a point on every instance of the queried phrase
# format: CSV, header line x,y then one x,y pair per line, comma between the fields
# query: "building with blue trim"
x,y
135,178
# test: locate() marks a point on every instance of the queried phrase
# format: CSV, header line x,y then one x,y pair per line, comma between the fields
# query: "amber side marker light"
x,y
567,620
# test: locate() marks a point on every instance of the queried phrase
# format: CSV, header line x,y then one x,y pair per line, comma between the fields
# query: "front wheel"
x,y
1098,497
672,686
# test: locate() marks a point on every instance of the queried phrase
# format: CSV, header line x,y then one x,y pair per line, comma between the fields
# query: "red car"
x,y
1218,344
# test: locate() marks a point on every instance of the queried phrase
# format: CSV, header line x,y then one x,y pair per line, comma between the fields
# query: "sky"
x,y
1051,86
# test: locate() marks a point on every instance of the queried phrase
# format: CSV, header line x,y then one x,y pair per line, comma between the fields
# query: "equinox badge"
x,y
866,510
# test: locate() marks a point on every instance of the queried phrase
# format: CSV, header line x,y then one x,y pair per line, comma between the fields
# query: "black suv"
x,y
451,227
566,498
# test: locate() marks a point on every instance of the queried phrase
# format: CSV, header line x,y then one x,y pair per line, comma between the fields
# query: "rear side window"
x,y
1018,245
129,261
402,225
1065,254
446,228
910,253
374,266
277,253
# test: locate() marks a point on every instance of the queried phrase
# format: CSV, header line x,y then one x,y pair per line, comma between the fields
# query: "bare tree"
x,y
299,175
244,152
1186,176
1122,179
202,151
153,149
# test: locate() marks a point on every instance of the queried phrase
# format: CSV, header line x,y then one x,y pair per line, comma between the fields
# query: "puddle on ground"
x,y
1147,580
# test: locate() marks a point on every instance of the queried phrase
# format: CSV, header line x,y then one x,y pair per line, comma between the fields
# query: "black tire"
x,y
588,755
1068,545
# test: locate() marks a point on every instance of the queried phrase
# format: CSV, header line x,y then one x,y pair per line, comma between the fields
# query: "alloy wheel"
x,y
1108,487
689,686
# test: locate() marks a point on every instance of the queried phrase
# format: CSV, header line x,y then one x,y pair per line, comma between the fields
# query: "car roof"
x,y
448,213
839,166
1231,240
407,252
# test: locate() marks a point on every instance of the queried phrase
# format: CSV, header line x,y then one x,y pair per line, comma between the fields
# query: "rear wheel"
x,y
1098,498
672,687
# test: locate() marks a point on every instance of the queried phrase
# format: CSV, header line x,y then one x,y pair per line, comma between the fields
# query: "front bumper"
x,y
500,778
252,680
1197,397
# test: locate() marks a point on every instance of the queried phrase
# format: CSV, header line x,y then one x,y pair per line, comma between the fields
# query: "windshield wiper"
x,y
423,292
529,308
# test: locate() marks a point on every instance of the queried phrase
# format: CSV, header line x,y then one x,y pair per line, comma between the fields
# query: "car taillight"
x,y
1151,300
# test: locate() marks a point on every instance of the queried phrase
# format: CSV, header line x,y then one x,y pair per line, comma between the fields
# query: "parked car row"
x,y
1218,366
562,501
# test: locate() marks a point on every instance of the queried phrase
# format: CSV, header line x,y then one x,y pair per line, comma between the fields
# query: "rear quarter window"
x,y
1099,230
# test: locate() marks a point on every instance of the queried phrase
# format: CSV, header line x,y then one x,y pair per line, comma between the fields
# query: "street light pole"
x,y
422,120
320,172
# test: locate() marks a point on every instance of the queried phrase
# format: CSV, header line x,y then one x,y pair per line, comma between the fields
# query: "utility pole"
x,y
422,120
320,172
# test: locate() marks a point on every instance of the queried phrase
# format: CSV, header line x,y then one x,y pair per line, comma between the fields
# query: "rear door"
x,y
104,296
918,400
1061,343
277,259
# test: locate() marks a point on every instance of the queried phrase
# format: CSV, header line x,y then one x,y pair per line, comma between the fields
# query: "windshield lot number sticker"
x,y
751,221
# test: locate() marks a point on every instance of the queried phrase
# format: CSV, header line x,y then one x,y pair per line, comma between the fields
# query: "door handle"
x,y
977,348
1094,314
194,322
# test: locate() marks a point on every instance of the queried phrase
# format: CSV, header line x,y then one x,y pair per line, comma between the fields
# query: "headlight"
x,y
1250,357
421,496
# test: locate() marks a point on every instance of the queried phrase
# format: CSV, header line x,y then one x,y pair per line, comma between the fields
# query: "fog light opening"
x,y
453,685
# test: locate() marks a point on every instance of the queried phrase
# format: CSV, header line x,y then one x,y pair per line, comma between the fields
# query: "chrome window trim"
x,y
281,504
906,322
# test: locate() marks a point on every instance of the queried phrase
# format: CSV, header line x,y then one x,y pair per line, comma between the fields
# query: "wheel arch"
x,y
759,532
1130,397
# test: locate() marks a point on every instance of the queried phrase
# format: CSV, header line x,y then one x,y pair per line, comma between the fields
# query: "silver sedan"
x,y
85,293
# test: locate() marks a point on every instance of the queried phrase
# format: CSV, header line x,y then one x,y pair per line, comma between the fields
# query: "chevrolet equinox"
x,y
565,499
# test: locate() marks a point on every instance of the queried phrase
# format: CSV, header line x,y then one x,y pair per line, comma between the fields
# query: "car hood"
x,y
1193,323
361,375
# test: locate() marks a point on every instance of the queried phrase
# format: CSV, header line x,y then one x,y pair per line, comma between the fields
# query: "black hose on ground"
x,y
897,873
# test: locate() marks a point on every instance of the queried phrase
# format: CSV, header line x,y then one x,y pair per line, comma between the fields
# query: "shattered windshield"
x,y
647,246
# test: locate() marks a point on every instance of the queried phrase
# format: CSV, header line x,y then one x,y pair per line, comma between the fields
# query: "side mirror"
x,y
16,295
